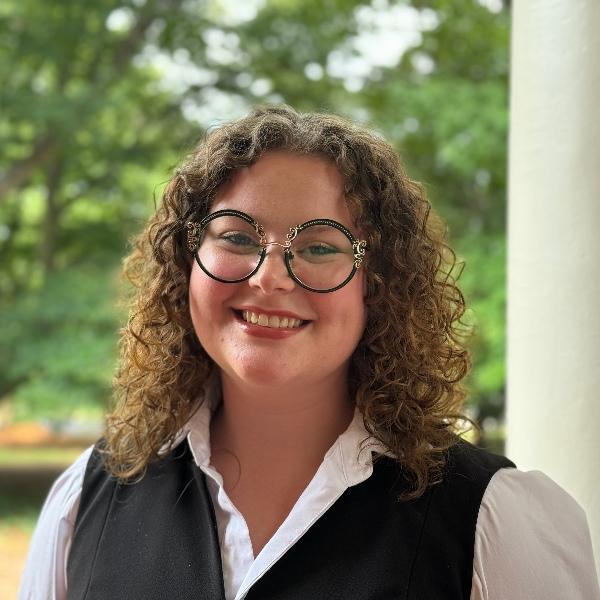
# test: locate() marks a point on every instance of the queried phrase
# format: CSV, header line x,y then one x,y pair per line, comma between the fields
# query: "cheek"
x,y
206,298
345,312
354,301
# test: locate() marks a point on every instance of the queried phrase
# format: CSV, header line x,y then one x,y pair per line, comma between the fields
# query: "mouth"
x,y
271,321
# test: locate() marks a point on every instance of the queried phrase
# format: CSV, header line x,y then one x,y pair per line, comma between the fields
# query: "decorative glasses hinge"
x,y
359,247
193,236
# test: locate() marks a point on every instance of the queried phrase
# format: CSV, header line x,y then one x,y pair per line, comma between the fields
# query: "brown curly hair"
x,y
406,371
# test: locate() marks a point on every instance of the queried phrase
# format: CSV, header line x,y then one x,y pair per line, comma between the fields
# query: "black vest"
x,y
157,539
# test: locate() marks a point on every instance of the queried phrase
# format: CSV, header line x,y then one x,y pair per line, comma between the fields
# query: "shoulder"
x,y
65,492
43,576
468,463
466,475
461,483
532,540
101,488
531,492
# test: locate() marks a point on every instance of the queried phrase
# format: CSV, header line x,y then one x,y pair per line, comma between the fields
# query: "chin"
x,y
260,374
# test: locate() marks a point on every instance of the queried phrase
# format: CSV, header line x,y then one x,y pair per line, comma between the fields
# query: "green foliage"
x,y
483,285
58,346
100,99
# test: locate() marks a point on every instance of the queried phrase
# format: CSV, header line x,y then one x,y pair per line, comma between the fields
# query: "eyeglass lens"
x,y
321,256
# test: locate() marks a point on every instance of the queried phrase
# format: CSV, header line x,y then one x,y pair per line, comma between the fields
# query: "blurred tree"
x,y
57,346
77,111
100,98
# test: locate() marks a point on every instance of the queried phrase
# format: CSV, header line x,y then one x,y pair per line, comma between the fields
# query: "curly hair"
x,y
406,372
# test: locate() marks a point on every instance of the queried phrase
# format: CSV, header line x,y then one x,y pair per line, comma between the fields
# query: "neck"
x,y
292,427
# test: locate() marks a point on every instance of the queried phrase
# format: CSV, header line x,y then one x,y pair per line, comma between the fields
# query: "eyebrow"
x,y
320,227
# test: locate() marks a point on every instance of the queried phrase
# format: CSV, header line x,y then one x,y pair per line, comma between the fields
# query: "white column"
x,y
553,405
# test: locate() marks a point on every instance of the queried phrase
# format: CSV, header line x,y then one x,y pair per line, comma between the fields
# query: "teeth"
x,y
272,321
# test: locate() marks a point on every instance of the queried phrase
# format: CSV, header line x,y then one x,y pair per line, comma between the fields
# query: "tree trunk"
x,y
52,217
19,173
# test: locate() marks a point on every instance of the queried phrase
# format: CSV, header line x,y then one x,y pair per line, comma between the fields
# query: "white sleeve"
x,y
45,574
532,542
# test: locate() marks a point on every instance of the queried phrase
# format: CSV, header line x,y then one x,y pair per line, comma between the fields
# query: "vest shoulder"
x,y
468,464
462,458
96,472
465,455
467,470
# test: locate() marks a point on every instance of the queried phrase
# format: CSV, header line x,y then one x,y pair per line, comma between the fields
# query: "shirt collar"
x,y
351,453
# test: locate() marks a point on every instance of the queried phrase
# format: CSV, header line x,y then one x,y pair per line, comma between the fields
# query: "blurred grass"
x,y
19,511
35,456
13,551
26,474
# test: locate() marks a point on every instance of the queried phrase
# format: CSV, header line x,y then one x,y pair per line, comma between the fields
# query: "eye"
x,y
320,250
239,239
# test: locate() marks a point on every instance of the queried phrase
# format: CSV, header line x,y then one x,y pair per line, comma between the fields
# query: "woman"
x,y
288,397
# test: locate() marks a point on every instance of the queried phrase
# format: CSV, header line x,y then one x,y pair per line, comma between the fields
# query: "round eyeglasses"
x,y
320,255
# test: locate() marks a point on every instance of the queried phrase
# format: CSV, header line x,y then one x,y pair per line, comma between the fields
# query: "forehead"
x,y
283,189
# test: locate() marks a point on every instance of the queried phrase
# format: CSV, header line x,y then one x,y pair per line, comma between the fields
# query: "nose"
x,y
272,276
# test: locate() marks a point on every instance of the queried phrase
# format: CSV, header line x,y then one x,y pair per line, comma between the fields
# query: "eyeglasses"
x,y
320,255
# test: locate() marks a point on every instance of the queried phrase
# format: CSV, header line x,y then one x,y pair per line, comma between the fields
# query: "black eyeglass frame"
x,y
195,229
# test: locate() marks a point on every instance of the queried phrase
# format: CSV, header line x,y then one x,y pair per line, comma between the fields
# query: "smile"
x,y
271,321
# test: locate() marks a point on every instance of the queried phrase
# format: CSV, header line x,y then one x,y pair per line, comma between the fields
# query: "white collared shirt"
x,y
532,541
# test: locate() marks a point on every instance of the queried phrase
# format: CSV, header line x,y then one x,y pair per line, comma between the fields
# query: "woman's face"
x,y
279,191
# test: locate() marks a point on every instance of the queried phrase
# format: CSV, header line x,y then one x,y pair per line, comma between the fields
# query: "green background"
x,y
101,99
